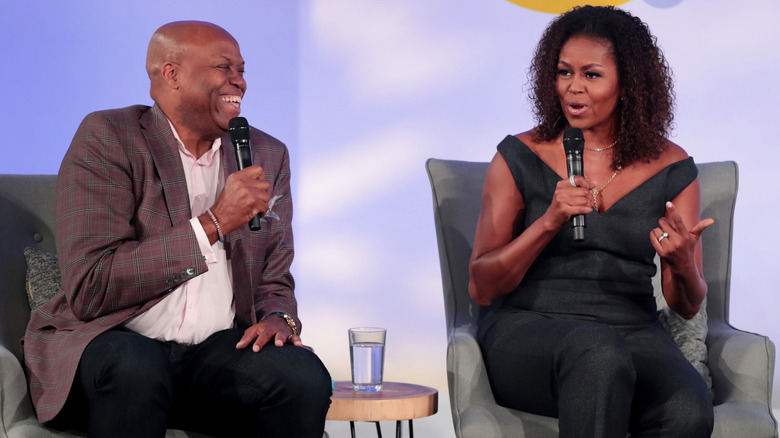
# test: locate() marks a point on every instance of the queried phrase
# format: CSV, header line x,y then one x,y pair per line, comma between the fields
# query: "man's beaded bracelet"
x,y
216,224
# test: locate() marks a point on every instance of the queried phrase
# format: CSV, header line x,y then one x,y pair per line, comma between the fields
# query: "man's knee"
x,y
300,375
126,363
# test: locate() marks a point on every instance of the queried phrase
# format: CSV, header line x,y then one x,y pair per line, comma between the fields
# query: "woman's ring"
x,y
663,236
571,181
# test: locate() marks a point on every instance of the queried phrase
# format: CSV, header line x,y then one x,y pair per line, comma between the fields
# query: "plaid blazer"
x,y
124,241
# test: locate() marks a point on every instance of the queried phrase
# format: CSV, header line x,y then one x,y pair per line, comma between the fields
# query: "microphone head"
x,y
238,128
573,140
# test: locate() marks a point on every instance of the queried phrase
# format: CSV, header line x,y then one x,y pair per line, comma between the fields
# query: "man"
x,y
172,312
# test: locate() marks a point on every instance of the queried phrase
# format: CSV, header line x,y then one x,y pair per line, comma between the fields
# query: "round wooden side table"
x,y
394,402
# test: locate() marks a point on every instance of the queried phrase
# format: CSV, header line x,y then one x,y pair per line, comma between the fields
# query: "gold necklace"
x,y
601,149
595,192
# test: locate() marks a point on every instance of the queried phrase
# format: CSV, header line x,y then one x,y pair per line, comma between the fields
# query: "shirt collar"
x,y
207,158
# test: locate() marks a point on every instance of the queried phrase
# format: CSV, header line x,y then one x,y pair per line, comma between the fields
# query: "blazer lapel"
x,y
237,244
165,155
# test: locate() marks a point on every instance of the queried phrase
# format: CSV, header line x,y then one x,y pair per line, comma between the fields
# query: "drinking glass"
x,y
367,357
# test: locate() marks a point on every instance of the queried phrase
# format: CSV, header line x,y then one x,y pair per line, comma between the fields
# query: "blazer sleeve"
x,y
118,245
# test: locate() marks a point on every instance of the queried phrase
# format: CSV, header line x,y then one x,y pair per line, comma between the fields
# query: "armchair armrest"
x,y
471,397
17,418
741,365
466,369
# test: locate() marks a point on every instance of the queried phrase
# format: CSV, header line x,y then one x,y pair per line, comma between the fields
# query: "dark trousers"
x,y
128,385
598,380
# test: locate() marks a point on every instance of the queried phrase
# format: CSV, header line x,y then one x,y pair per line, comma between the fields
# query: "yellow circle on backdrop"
x,y
561,6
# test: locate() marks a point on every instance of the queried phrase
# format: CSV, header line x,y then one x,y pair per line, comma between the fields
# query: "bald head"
x,y
174,41
197,80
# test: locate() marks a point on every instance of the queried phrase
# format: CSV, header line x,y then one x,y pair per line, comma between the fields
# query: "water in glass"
x,y
367,365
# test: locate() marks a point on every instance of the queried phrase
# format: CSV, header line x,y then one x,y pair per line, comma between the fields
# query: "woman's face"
x,y
587,83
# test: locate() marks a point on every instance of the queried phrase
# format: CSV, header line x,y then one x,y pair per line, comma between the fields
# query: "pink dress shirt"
x,y
204,304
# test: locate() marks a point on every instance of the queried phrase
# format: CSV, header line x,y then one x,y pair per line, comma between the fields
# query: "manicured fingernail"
x,y
669,204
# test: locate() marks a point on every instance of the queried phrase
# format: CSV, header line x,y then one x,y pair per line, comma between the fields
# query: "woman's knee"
x,y
689,413
599,354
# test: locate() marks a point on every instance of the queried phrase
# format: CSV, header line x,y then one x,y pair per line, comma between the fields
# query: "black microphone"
x,y
238,128
573,144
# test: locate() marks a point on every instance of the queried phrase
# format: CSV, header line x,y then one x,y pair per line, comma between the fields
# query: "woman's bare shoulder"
x,y
673,152
526,137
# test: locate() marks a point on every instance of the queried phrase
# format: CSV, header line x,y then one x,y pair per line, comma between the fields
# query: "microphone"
x,y
573,144
238,128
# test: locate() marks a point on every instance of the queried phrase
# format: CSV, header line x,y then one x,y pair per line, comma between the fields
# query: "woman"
x,y
576,335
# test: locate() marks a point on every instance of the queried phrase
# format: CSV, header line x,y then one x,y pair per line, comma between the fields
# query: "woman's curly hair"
x,y
644,112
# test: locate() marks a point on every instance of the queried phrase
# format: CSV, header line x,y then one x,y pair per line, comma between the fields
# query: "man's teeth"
x,y
234,99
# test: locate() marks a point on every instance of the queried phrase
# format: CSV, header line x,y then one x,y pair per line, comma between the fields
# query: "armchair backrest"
x,y
456,188
26,219
457,196
719,182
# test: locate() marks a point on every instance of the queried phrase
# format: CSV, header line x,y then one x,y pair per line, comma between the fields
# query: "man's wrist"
x,y
287,318
213,217
209,228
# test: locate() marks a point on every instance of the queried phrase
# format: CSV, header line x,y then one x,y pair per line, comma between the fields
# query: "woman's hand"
x,y
504,248
674,242
568,201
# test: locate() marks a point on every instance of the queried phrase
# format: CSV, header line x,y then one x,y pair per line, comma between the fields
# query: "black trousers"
x,y
598,380
129,385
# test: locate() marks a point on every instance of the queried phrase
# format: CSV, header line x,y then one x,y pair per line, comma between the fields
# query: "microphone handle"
x,y
578,225
574,166
244,159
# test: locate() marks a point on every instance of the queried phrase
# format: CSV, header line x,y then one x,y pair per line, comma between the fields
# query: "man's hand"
x,y
275,328
245,194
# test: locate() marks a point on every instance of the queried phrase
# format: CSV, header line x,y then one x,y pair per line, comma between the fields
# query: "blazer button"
x,y
190,271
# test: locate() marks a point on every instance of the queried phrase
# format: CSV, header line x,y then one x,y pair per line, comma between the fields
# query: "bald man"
x,y
172,313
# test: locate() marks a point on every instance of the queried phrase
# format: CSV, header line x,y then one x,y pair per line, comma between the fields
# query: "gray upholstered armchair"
x,y
741,363
26,220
